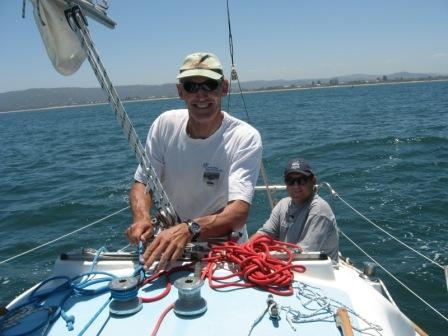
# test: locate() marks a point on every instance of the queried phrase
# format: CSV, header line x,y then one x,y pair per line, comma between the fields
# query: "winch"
x,y
124,296
190,302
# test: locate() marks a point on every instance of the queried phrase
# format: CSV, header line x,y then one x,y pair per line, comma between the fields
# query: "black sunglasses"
x,y
207,86
297,180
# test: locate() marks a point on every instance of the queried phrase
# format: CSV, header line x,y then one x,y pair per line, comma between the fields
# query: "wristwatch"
x,y
194,228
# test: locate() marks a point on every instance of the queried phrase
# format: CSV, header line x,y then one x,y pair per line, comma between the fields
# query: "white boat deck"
x,y
232,311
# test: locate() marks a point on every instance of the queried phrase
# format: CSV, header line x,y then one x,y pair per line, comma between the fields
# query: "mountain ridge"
x,y
71,96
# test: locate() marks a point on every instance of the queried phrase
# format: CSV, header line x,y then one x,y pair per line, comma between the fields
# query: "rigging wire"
x,y
167,215
63,236
394,277
390,235
334,194
234,76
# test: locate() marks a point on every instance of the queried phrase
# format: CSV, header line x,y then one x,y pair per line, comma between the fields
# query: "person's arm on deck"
x,y
140,200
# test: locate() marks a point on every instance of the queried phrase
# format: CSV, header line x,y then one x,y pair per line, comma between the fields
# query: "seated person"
x,y
303,218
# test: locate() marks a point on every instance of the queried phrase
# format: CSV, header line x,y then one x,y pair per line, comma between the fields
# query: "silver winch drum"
x,y
190,302
124,296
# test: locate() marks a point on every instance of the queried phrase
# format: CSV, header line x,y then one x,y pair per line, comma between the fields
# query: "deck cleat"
x,y
369,271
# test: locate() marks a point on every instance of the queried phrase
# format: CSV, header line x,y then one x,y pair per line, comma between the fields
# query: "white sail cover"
x,y
62,44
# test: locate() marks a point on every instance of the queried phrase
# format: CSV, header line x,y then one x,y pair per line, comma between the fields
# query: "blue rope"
x,y
124,295
95,259
140,268
79,286
69,320
94,317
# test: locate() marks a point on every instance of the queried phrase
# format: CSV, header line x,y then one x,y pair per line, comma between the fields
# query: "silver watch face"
x,y
195,228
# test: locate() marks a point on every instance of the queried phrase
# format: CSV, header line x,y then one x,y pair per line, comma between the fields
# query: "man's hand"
x,y
168,246
139,231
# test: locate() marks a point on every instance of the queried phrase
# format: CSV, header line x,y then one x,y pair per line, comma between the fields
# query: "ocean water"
x,y
383,149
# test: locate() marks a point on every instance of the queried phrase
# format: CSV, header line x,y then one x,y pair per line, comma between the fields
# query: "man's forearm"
x,y
140,202
231,218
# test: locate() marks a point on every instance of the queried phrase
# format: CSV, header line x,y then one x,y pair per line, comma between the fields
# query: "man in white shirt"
x,y
207,161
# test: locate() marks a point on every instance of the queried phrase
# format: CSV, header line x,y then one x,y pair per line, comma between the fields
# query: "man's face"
x,y
202,96
299,186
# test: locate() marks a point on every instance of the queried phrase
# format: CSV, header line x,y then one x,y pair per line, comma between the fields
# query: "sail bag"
x,y
63,46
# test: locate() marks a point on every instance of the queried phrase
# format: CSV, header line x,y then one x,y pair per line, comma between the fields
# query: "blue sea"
x,y
383,149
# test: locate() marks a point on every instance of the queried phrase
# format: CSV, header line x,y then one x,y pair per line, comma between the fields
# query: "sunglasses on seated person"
x,y
207,86
297,180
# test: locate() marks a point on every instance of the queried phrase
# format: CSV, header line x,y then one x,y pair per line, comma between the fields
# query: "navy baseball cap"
x,y
298,166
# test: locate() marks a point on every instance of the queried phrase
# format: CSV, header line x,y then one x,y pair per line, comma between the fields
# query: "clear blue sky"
x,y
281,39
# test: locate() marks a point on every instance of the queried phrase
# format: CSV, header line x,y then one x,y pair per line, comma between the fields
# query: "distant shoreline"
x,y
348,85
83,105
244,92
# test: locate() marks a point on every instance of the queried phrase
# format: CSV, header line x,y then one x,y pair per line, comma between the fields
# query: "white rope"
x,y
63,236
394,277
323,308
257,320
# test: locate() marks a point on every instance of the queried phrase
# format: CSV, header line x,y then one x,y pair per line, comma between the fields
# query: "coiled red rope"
x,y
256,265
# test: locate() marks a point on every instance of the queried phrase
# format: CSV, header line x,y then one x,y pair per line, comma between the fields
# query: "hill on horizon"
x,y
69,96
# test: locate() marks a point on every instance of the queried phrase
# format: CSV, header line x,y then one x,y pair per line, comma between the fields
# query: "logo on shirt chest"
x,y
211,174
